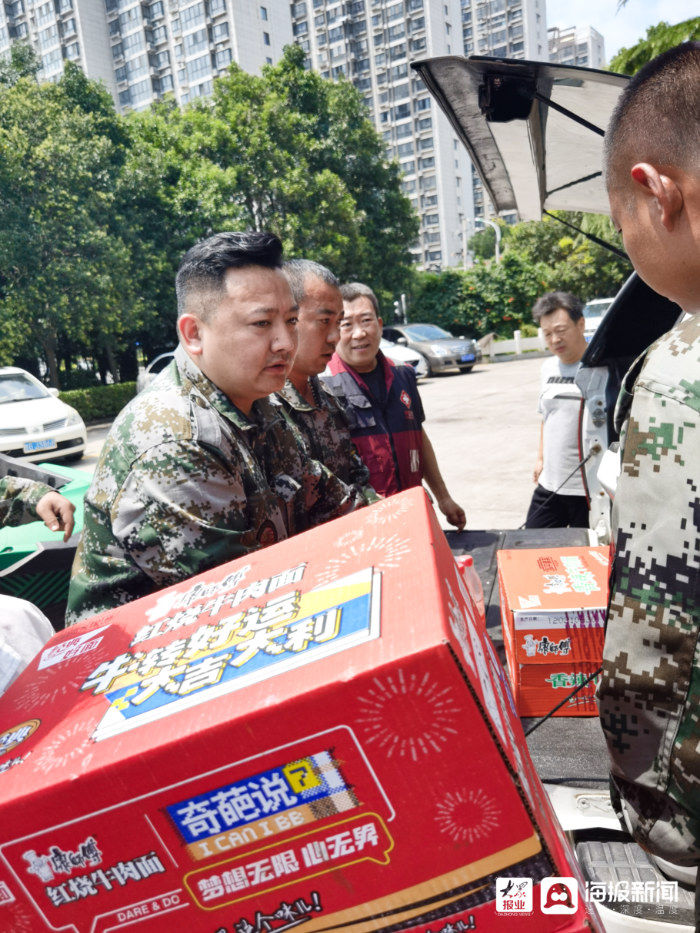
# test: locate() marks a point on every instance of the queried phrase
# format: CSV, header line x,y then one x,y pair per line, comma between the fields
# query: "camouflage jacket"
x,y
18,499
326,435
186,482
649,694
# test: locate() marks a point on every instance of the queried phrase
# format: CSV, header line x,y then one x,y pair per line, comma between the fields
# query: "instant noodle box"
x,y
315,737
553,606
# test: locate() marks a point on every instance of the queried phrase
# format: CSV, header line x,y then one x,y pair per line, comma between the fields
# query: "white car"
x,y
400,354
34,424
594,312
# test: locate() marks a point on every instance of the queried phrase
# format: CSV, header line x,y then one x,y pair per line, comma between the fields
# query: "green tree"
x,y
63,267
658,39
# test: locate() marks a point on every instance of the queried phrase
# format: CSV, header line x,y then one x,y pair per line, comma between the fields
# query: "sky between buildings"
x,y
619,28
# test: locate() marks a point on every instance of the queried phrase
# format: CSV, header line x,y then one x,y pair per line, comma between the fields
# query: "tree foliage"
x,y
658,39
96,209
540,256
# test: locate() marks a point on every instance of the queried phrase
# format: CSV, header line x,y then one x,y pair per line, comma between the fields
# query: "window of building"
x,y
196,41
401,91
198,68
133,43
266,38
426,143
223,58
402,111
395,11
68,28
399,71
219,31
396,32
428,182
408,168
425,123
298,9
335,34
158,34
427,161
403,130
397,51
408,185
72,51
300,29
418,45
141,91
431,220
428,200
405,149
216,7
263,11
412,5
192,16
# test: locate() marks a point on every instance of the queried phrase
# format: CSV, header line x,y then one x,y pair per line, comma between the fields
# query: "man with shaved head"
x,y
649,695
309,404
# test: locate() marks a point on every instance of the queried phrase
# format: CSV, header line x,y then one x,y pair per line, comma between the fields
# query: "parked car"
x,y
34,424
441,350
398,353
157,365
594,312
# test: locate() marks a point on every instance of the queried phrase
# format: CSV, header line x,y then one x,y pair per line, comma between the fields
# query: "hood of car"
x,y
32,413
533,130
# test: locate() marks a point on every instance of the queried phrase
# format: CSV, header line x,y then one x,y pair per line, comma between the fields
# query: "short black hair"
x,y
299,270
204,266
657,116
552,301
354,290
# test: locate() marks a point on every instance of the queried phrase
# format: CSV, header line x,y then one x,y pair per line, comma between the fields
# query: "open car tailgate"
x,y
504,110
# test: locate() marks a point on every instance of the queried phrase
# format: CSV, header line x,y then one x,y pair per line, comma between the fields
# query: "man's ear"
x,y
662,188
189,328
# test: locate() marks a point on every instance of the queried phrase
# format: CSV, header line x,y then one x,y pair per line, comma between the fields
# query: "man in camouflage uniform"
x,y
25,500
201,467
308,403
649,695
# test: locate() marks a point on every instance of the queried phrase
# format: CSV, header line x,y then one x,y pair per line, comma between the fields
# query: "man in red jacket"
x,y
383,406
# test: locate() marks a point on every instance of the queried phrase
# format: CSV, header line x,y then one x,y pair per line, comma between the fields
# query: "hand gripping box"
x,y
553,607
315,737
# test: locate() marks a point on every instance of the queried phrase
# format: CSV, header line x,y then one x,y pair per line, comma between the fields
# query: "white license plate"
x,y
32,447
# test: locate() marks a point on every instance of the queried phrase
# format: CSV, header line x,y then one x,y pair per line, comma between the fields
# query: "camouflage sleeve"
x,y
18,500
649,695
321,496
186,511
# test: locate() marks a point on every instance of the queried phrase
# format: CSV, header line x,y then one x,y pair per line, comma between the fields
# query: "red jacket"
x,y
389,434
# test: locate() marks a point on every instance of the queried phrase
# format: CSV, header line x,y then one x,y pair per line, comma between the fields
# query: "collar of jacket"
x,y
337,365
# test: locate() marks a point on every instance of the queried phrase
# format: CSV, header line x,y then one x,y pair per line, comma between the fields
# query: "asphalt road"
x,y
484,428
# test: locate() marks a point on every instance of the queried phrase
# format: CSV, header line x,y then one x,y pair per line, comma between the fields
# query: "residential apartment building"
x,y
143,49
60,30
372,42
576,46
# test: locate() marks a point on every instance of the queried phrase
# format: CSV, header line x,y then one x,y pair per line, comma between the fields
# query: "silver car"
x,y
438,346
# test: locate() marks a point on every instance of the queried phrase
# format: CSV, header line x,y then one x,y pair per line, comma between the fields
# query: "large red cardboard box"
x,y
553,607
318,736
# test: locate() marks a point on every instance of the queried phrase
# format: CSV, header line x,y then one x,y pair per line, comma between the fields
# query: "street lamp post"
x,y
491,223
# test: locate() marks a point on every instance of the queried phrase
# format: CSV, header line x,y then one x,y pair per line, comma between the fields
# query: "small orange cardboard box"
x,y
317,736
553,607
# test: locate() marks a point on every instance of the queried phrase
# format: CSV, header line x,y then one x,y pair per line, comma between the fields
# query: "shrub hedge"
x,y
99,403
